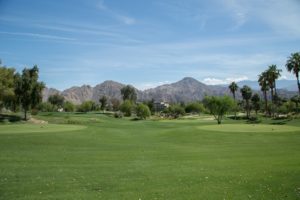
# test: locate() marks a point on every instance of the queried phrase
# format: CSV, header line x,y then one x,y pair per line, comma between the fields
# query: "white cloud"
x,y
120,17
281,16
215,81
238,12
126,20
149,85
37,35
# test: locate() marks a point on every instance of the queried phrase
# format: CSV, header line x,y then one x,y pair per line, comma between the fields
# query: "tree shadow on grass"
x,y
280,121
9,118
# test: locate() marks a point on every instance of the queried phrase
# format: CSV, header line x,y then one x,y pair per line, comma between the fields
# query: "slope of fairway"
x,y
38,128
131,160
249,128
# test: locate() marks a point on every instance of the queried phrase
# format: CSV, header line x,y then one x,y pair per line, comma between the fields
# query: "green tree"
x,y
150,105
128,93
69,106
103,101
174,111
45,107
256,102
194,107
246,92
56,100
264,87
126,108
115,104
233,87
6,86
28,89
142,111
296,99
293,65
218,106
273,74
87,106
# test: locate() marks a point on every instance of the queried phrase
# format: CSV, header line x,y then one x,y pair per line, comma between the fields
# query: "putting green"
x,y
249,128
38,128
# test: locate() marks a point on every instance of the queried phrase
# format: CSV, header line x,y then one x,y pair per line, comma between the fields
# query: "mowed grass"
x,y
94,156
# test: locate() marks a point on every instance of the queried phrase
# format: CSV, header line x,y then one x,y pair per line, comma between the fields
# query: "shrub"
x,y
175,111
118,114
126,107
34,111
87,106
69,106
46,107
142,111
194,107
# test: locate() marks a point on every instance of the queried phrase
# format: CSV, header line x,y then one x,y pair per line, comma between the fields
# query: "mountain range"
x,y
186,90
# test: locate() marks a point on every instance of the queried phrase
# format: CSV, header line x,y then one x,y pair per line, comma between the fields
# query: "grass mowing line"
x,y
249,128
38,128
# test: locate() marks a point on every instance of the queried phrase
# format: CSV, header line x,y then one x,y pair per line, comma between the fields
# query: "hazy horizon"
x,y
147,44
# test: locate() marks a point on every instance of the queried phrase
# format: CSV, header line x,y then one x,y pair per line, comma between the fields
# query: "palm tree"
x,y
273,74
264,87
293,65
247,94
233,88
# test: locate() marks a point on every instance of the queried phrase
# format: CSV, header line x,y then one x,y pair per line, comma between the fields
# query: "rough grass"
x,y
124,159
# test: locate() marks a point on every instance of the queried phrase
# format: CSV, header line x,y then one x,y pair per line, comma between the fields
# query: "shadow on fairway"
x,y
10,118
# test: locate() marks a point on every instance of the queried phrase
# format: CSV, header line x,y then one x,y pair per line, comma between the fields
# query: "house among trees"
x,y
160,106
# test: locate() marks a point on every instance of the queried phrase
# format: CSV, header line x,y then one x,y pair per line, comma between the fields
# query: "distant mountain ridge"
x,y
186,90
290,85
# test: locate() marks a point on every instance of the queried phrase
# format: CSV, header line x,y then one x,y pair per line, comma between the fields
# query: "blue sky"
x,y
148,43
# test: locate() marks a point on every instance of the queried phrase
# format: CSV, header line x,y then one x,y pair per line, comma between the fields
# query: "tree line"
x,y
23,92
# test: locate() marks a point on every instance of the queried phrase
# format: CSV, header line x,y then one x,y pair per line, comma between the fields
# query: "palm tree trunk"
x,y
247,107
297,76
272,106
266,102
234,108
275,87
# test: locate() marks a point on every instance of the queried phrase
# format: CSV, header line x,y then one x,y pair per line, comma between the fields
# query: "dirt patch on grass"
x,y
37,121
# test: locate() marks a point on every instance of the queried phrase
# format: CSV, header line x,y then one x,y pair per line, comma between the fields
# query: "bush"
x,y
126,107
118,114
46,107
34,111
142,111
87,106
175,111
69,106
56,99
194,107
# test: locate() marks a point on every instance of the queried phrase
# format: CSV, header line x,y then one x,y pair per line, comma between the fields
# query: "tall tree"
x,y
264,87
103,101
246,94
233,88
6,85
28,89
56,100
293,65
128,92
218,106
255,102
273,74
